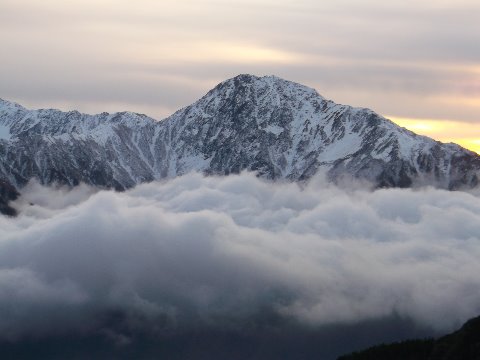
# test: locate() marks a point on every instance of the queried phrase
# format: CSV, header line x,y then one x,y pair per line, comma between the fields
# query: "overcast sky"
x,y
409,60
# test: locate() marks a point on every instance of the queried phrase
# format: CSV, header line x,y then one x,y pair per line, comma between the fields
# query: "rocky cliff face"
x,y
7,194
280,129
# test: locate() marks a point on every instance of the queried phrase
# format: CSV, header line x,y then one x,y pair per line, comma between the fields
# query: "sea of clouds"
x,y
198,251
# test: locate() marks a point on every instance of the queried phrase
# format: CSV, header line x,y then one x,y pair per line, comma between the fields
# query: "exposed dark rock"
x,y
7,194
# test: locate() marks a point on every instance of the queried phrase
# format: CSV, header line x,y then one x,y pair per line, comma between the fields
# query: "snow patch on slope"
x,y
4,132
341,149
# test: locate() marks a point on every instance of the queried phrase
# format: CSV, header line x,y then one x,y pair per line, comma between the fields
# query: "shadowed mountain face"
x,y
463,344
7,193
280,129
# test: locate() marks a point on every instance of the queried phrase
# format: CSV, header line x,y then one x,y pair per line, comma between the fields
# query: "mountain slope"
x,y
463,344
280,129
285,130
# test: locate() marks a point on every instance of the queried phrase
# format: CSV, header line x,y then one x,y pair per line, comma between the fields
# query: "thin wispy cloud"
x,y
78,51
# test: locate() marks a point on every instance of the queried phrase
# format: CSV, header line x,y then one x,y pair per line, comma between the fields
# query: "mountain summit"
x,y
280,129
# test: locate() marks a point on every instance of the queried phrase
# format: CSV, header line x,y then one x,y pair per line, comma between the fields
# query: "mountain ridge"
x,y
277,128
462,344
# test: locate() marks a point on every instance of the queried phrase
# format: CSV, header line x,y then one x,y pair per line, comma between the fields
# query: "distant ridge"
x,y
463,344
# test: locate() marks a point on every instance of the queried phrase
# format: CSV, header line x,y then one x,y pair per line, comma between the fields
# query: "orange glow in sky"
x,y
462,133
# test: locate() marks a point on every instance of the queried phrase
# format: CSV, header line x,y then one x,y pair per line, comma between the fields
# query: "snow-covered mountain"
x,y
280,129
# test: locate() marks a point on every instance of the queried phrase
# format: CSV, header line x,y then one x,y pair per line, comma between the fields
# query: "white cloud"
x,y
195,250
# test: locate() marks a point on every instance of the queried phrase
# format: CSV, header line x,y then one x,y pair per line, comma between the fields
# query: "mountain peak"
x,y
272,81
274,127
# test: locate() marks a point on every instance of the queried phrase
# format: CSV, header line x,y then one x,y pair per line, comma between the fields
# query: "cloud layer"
x,y
217,253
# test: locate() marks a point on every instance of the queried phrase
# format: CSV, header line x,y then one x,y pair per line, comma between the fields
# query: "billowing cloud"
x,y
237,254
